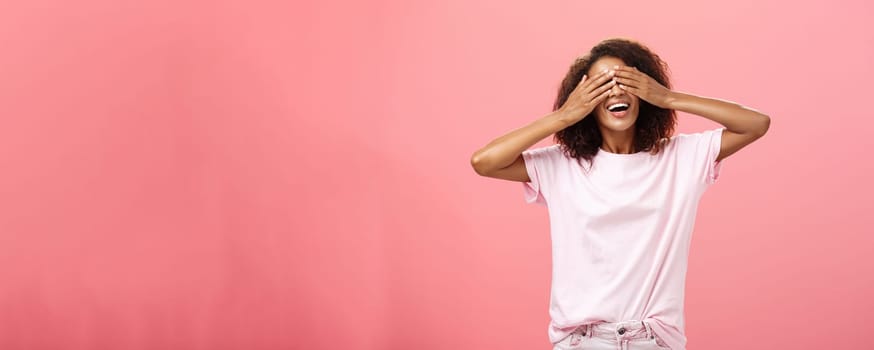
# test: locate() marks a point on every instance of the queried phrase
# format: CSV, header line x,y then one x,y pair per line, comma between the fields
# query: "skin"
x,y
502,157
743,125
617,133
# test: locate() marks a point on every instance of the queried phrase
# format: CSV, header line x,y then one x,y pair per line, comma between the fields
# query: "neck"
x,y
618,141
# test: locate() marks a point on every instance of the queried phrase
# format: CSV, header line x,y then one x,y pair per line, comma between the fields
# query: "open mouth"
x,y
618,110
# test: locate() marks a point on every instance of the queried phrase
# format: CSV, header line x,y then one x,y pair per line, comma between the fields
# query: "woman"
x,y
622,193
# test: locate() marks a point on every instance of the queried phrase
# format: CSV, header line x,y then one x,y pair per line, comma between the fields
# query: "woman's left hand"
x,y
641,85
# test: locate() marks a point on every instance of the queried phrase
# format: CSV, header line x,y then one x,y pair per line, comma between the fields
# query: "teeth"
x,y
616,105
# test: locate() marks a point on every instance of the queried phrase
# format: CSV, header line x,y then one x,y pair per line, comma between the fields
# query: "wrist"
x,y
564,117
673,100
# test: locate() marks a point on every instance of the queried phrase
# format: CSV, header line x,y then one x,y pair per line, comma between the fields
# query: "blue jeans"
x,y
625,335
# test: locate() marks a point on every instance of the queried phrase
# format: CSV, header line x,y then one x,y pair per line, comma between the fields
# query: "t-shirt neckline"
x,y
621,155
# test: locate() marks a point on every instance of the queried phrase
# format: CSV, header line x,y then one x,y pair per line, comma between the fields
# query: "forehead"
x,y
606,62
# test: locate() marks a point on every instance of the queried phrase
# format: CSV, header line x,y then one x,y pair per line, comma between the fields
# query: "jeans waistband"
x,y
630,329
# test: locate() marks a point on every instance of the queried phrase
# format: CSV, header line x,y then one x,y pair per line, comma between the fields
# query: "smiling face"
x,y
618,121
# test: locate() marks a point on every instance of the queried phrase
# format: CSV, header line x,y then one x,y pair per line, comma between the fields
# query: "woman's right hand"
x,y
587,95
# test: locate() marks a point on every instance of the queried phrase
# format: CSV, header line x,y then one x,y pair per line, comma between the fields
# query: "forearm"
x,y
503,151
735,117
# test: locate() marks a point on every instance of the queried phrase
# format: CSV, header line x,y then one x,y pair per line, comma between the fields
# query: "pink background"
x,y
258,175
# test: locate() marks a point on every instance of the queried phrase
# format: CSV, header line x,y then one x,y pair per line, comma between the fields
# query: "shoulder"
x,y
550,148
695,144
681,139
548,157
551,151
677,143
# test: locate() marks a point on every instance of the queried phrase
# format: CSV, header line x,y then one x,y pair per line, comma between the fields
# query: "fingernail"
x,y
615,66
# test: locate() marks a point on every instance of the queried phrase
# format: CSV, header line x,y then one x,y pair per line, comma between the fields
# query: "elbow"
x,y
756,125
477,163
763,125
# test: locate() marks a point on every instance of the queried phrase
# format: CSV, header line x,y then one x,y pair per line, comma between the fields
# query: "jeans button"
x,y
622,330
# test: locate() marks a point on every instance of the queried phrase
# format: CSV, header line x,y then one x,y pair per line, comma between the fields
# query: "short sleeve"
x,y
704,148
540,164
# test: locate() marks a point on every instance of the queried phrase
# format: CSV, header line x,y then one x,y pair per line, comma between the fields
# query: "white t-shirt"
x,y
621,232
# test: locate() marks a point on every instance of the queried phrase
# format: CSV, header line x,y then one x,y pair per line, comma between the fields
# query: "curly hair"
x,y
582,140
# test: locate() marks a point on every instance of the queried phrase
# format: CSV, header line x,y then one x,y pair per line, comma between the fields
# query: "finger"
x,y
582,80
605,87
602,96
628,71
628,74
632,90
636,81
602,78
627,82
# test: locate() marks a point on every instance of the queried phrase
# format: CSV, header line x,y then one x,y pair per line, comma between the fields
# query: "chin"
x,y
616,124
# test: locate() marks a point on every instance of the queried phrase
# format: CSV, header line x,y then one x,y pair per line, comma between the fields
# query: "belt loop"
x,y
649,332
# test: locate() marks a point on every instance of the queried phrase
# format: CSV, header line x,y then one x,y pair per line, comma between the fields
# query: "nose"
x,y
616,90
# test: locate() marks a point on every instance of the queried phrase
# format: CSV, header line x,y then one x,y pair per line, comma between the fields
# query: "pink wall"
x,y
258,175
